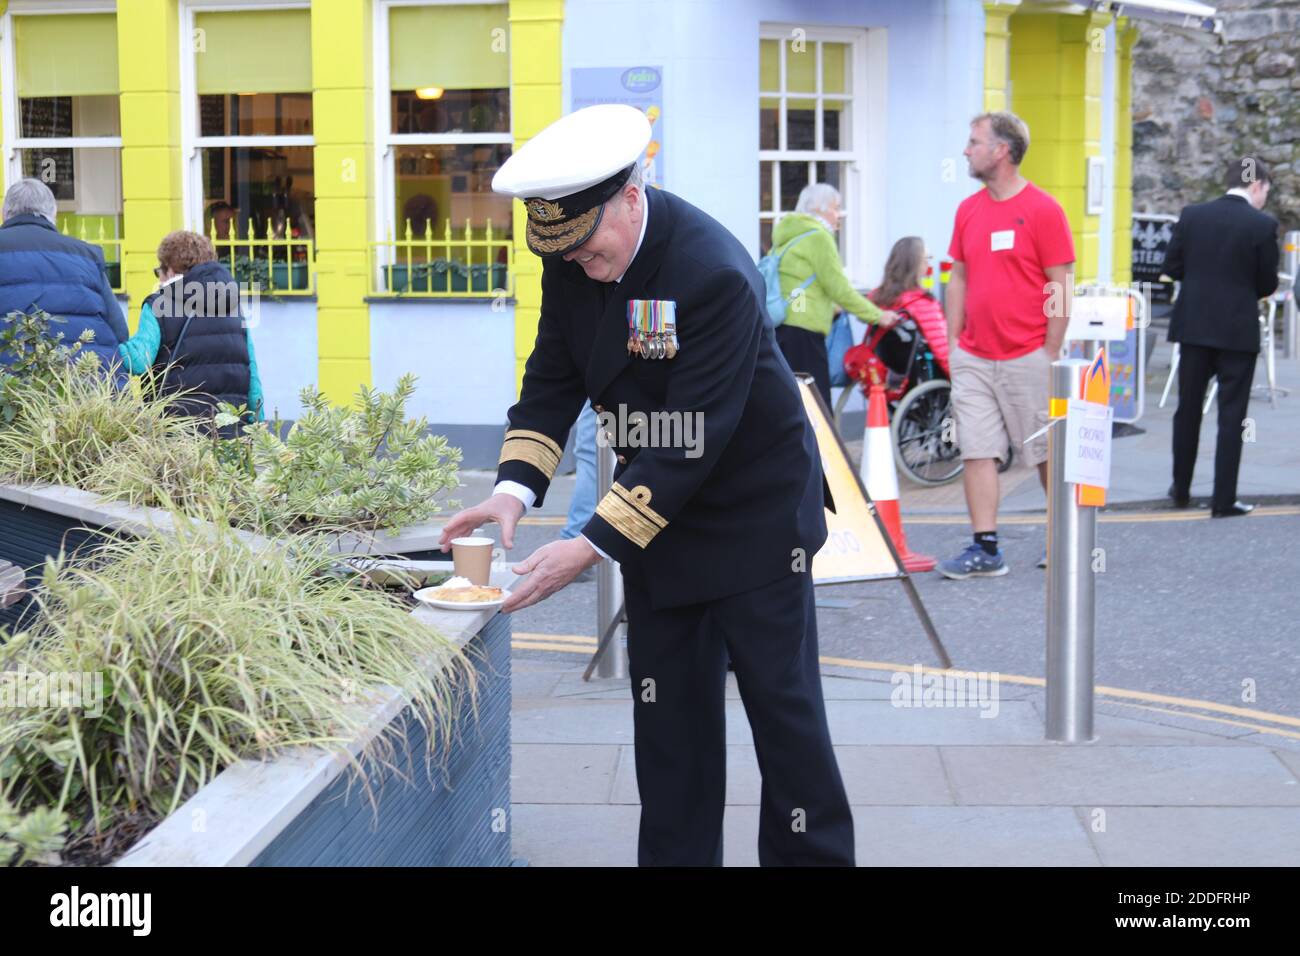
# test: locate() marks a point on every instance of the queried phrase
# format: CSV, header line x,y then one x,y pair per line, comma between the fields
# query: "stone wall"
x,y
1199,100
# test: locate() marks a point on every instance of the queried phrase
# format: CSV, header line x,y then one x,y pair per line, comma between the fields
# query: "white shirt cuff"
x,y
593,546
516,490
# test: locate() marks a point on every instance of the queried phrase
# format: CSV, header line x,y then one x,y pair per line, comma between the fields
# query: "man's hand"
x,y
550,568
887,319
505,510
1058,319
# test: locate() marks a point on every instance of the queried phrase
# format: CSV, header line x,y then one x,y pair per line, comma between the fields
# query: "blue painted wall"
x,y
284,338
464,355
709,52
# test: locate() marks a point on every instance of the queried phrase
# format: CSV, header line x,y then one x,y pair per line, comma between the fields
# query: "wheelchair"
x,y
919,396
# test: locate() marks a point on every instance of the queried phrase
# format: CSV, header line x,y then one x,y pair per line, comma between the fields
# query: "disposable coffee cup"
x,y
472,558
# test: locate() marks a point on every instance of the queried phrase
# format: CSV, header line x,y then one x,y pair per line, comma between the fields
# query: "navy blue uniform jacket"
x,y
687,525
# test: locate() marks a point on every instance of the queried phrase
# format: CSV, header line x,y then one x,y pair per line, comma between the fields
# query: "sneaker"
x,y
1042,562
974,562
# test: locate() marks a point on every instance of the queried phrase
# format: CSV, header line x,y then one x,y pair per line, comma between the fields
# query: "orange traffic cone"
x,y
881,479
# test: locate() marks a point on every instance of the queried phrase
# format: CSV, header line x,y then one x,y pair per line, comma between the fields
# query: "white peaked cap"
x,y
575,152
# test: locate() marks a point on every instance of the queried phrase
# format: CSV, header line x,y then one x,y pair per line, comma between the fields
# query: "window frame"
x,y
385,154
863,165
192,143
10,108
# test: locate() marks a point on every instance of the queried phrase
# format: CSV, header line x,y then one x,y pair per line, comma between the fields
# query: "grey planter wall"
x,y
462,820
37,521
27,537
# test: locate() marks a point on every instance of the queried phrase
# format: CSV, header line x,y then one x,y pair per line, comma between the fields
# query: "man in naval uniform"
x,y
651,306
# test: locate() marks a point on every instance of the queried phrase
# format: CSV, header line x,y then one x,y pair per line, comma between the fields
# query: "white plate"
x,y
425,596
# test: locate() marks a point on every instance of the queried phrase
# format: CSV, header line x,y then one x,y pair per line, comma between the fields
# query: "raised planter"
x,y
303,807
402,278
288,277
450,277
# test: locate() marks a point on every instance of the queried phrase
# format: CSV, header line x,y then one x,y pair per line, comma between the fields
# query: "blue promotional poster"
x,y
639,86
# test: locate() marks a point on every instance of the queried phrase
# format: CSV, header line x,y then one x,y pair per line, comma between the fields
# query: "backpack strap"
x,y
786,248
791,244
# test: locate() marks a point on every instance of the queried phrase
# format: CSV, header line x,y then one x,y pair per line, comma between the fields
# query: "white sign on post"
x,y
1087,443
1098,318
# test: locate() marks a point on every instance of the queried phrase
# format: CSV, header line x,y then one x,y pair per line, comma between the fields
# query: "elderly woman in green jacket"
x,y
808,235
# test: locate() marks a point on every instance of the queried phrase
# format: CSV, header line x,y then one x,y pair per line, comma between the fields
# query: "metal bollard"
x,y
609,583
1291,309
1071,587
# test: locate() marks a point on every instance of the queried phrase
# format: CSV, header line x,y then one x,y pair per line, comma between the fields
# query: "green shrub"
x,y
357,468
70,424
36,353
35,837
248,271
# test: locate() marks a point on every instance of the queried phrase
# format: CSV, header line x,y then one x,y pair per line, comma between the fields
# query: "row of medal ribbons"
x,y
652,328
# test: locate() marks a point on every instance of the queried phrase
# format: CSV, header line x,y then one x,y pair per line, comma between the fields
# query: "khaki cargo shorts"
x,y
1000,403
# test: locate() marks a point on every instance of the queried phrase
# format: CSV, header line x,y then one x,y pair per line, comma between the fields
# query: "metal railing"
x,y
279,265
113,264
425,267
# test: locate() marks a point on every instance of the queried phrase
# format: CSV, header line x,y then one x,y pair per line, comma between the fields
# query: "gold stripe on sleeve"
x,y
532,448
626,520
639,498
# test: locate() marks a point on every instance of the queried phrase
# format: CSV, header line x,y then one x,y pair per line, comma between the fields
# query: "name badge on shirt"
x,y
1003,239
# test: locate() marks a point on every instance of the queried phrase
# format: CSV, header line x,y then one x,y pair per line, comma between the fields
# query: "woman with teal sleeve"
x,y
192,332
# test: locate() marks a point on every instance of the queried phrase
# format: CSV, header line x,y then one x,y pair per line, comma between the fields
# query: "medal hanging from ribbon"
x,y
652,328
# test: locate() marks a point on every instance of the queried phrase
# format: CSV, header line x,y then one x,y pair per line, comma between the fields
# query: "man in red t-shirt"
x,y
1011,250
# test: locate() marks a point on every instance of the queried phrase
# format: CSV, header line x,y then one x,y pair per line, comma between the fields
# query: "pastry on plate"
x,y
464,591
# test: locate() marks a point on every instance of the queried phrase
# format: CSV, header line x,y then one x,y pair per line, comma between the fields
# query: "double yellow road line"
x,y
1233,716
1037,517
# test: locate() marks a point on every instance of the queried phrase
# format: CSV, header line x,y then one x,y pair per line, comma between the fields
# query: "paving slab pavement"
x,y
929,786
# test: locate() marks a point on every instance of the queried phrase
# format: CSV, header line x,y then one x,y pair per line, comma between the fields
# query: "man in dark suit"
x,y
650,310
1225,254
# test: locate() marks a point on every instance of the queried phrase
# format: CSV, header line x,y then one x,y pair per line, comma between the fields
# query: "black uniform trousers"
x,y
1235,371
805,351
677,659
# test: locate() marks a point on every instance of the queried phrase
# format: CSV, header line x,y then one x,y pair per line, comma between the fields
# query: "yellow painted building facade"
x,y
1048,68
340,152
326,49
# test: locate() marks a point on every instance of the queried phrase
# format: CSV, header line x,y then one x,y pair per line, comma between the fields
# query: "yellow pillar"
x,y
997,48
1056,82
148,58
343,119
1126,35
536,52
